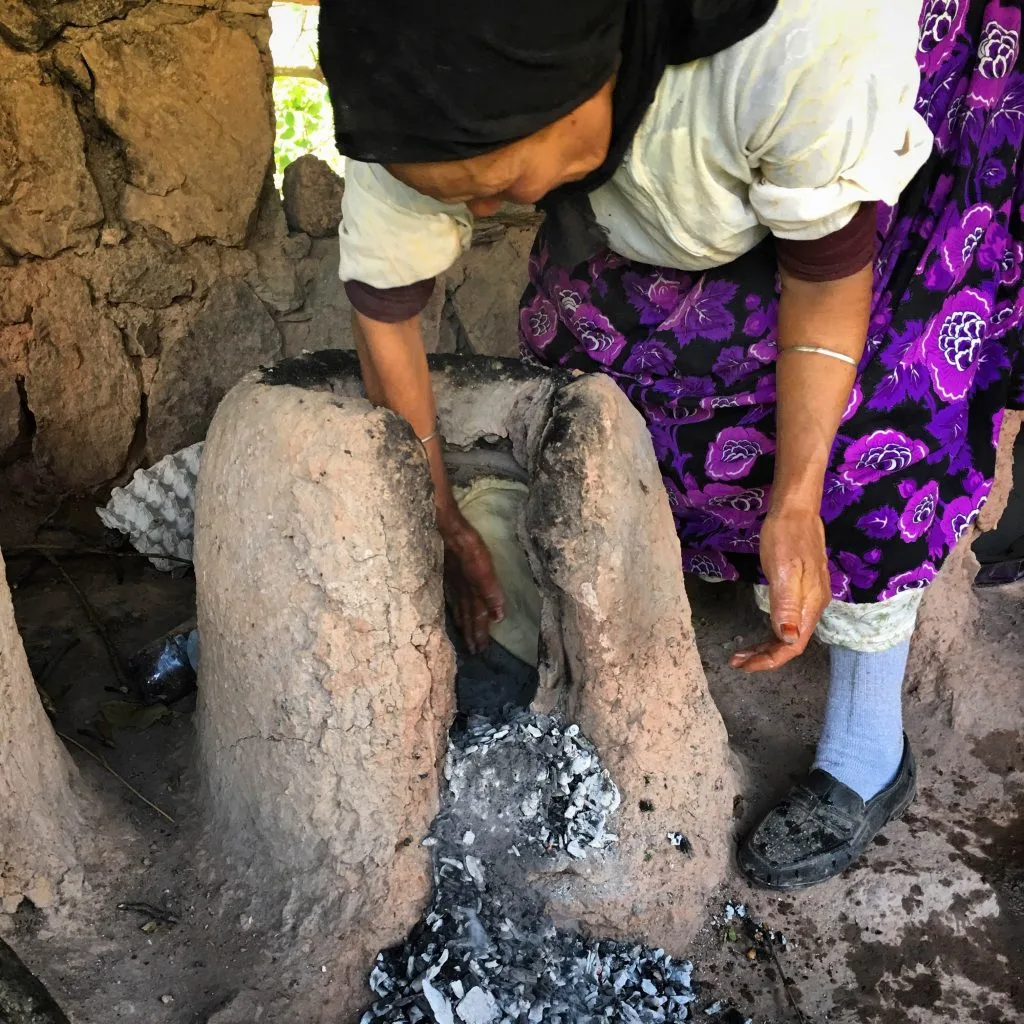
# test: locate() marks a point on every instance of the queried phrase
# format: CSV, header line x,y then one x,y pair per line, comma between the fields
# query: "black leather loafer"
x,y
821,828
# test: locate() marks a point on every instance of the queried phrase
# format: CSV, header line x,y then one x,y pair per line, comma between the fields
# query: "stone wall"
x,y
146,261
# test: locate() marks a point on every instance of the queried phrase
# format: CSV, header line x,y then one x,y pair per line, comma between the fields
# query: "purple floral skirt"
x,y
914,458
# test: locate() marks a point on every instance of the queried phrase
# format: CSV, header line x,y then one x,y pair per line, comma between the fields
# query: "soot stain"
x,y
892,978
319,370
1002,751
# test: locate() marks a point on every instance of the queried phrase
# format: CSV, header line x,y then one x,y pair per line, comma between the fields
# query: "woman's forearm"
x,y
395,374
814,390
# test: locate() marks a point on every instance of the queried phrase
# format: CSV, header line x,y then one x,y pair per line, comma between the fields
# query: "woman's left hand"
x,y
799,588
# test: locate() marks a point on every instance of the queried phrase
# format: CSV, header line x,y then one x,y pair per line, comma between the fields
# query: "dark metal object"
x,y
999,574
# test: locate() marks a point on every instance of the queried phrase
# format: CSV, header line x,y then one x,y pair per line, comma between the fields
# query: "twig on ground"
x,y
44,677
47,701
149,910
786,984
47,521
105,764
49,705
97,623
80,551
763,939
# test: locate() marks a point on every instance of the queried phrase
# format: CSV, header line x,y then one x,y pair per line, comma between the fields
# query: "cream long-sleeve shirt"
x,y
785,133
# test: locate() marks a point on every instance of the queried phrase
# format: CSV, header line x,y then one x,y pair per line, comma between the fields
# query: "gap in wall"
x,y
303,111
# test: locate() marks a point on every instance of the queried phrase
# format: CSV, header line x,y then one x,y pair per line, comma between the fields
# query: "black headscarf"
x,y
432,80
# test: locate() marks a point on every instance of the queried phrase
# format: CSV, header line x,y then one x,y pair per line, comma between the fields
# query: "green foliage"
x,y
304,123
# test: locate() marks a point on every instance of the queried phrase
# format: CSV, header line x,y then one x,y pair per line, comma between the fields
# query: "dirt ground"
x,y
928,927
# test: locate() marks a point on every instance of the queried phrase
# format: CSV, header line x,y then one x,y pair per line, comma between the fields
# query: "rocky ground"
x,y
928,927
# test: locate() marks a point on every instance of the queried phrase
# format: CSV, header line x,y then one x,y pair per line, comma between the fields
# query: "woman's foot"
x,y
821,828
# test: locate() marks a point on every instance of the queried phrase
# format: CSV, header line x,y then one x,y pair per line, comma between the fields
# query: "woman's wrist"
x,y
800,476
456,531
451,523
798,496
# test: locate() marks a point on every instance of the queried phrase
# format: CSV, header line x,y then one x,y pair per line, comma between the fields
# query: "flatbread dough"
x,y
493,506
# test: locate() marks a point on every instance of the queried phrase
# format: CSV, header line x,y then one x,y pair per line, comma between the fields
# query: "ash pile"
x,y
523,796
529,785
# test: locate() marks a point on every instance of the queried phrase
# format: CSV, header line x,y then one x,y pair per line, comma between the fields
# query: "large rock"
x,y
192,105
312,196
326,676
14,292
48,201
232,334
325,319
14,342
40,817
21,26
210,263
30,24
144,271
80,384
275,277
485,288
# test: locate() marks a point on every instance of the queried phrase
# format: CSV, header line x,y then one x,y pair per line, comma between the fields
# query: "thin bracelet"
x,y
429,437
818,351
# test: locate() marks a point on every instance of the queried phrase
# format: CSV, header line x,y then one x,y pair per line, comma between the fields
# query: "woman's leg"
x,y
864,773
858,785
861,742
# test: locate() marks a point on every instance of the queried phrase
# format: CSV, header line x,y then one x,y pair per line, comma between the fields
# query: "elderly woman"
x,y
790,231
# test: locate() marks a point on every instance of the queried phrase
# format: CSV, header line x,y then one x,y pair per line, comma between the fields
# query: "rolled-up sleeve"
x,y
391,235
831,123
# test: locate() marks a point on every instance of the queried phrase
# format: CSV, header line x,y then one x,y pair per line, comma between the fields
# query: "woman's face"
x,y
525,171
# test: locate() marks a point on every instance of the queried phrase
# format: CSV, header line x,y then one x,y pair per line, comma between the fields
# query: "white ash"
x,y
530,784
733,910
486,956
529,792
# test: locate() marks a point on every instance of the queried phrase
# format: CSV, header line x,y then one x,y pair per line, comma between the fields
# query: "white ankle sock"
x,y
861,743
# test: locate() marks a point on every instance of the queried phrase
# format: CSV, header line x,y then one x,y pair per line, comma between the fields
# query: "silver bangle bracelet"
x,y
429,437
819,351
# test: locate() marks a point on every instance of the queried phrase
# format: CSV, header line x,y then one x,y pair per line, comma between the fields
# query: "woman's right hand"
x,y
395,372
471,583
